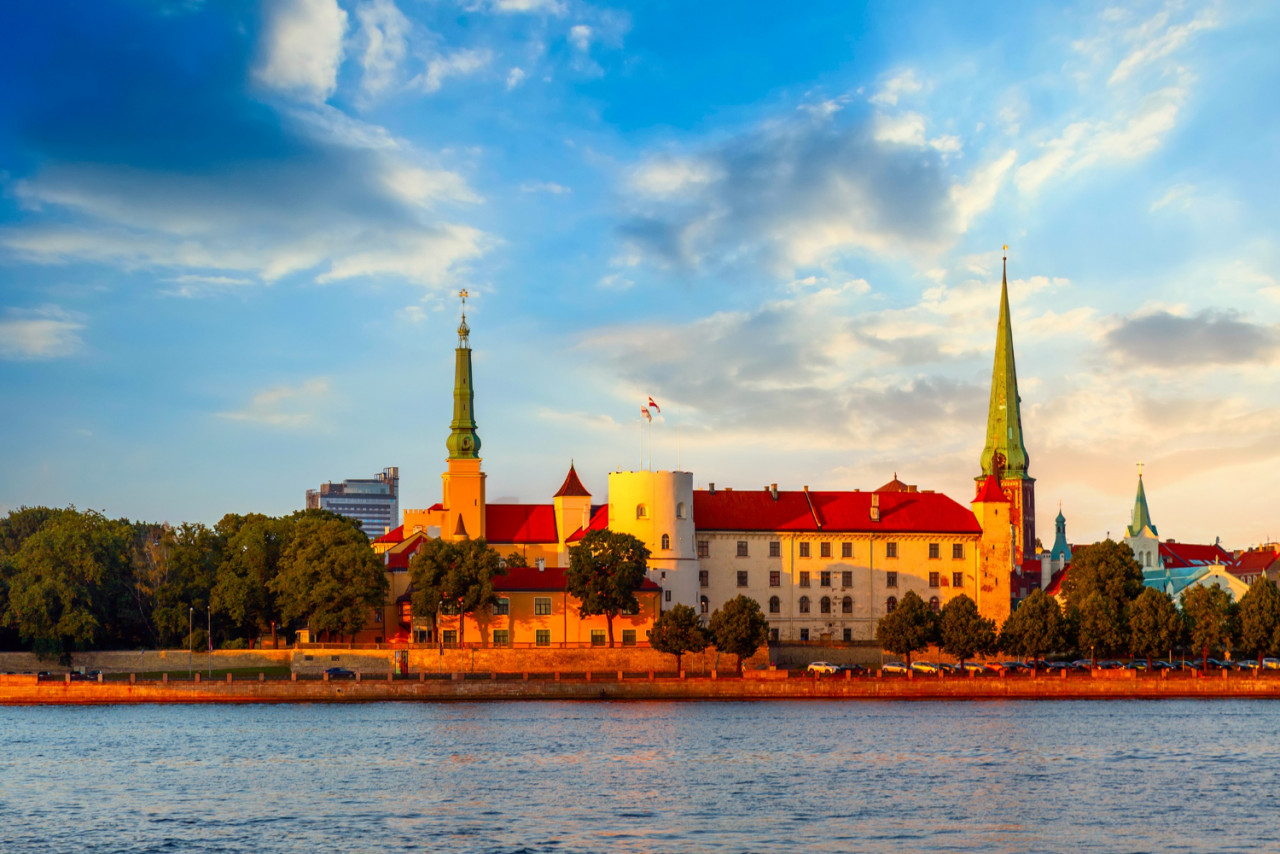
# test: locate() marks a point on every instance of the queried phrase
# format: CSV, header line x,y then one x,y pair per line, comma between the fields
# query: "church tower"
x,y
1005,455
1141,534
463,481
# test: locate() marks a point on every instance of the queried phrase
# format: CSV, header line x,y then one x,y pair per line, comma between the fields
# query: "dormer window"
x,y
642,512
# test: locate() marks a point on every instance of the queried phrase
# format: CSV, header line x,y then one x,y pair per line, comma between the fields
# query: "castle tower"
x,y
994,510
463,497
1005,455
656,507
572,502
1061,548
1141,534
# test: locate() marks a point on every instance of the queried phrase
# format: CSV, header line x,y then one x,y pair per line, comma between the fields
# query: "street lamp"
x,y
191,641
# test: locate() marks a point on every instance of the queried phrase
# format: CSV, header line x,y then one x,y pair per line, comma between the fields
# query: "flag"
x,y
653,405
648,416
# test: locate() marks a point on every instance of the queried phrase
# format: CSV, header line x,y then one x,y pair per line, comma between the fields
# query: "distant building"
x,y
374,502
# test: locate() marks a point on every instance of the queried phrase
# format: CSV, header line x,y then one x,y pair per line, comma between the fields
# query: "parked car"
x,y
855,669
823,668
1271,664
972,667
894,667
1110,664
1082,664
1248,664
339,673
1220,664
925,667
1056,666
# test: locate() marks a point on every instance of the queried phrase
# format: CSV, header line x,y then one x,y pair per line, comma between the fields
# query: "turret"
x,y
463,496
995,551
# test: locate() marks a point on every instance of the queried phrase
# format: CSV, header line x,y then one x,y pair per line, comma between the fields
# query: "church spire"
x,y
1004,418
1141,515
463,443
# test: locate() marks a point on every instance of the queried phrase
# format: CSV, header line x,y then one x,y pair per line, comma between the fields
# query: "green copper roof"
x,y
463,443
1061,548
1141,515
1004,419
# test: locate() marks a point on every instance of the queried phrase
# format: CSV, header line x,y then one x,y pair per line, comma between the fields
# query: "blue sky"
x,y
231,236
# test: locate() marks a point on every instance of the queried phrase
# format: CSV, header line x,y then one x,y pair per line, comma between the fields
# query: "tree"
x,y
254,547
1107,568
909,627
1207,613
1098,627
329,578
963,632
678,631
454,576
605,569
1259,613
1035,628
1154,624
516,560
739,627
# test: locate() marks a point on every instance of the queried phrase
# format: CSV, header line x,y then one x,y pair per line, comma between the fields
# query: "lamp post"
x,y
191,641
209,630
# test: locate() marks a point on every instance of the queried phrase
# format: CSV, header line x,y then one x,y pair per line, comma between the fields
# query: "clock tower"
x,y
463,481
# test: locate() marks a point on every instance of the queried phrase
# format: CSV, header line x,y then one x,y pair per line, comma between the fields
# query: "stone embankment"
x,y
754,685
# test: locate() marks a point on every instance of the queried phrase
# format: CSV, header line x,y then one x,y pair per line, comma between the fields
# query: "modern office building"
x,y
374,501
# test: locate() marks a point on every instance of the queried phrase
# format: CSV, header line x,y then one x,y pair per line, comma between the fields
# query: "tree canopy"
x,y
1035,628
1207,612
456,576
678,631
907,628
739,628
1155,626
1259,612
605,570
963,632
1098,627
1107,568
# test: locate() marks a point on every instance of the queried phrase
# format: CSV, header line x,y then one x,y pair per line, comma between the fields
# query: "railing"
x,y
473,645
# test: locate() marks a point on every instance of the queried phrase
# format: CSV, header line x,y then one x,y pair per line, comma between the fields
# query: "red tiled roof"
x,y
1177,555
1055,582
572,487
926,512
896,485
551,578
520,523
990,491
395,535
598,522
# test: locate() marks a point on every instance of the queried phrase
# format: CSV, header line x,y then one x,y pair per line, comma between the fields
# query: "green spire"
x,y
463,442
1004,419
1141,515
1061,548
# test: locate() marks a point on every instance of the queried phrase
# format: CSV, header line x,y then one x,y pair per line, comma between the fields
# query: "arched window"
x,y
680,510
934,604
890,604
804,604
642,512
704,604
846,605
824,605
775,605
666,541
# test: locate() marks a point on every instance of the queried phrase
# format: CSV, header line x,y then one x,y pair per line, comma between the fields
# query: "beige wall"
x,y
563,623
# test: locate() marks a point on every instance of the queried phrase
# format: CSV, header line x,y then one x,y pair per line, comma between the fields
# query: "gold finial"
x,y
1139,469
463,294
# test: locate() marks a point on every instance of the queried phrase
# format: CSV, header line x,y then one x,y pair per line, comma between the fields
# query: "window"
x,y
775,605
667,596
773,635
846,550
775,578
642,512
703,604
804,550
377,615
824,605
957,579
597,637
542,637
890,604
846,605
933,579
742,548
680,510
704,548
540,563
825,578
848,634
742,578
501,637
704,578
891,579
824,549
933,551
890,549
542,606
502,608
775,548
804,604
628,637
666,541
450,637
804,634
934,604
804,579
957,551
846,578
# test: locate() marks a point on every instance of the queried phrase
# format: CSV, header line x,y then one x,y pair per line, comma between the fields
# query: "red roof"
x,y
1055,583
395,535
1176,555
598,522
896,485
926,512
990,491
551,578
572,487
520,523
1256,561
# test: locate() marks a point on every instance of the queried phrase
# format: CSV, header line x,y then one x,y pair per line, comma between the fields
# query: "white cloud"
x,y
1177,197
977,196
191,286
902,83
947,144
285,407
615,282
384,30
458,64
546,7
669,176
47,332
1156,41
426,187
580,36
903,129
544,187
515,77
302,48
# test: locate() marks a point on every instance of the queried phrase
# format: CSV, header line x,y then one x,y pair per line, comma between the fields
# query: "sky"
x,y
232,236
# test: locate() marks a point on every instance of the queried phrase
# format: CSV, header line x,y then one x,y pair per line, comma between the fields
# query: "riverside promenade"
x,y
760,685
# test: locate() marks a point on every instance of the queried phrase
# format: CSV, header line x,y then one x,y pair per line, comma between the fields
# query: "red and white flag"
x,y
654,406
648,416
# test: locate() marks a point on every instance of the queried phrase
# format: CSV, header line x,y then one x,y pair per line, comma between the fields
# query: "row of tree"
x,y
1107,612
75,580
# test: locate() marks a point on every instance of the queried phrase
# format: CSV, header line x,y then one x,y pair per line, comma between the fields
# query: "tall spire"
x,y
1141,515
463,443
1004,418
1061,548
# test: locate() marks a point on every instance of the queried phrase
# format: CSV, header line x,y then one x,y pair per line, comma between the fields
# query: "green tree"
x,y
329,578
1207,613
909,627
1259,613
1154,624
454,576
1106,568
251,558
1035,628
605,570
515,560
1098,627
739,627
963,632
678,631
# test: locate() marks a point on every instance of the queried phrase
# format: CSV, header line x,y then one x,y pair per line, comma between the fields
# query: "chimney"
x,y
773,490
875,507
711,488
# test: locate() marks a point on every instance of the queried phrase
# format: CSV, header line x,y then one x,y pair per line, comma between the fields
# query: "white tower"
x,y
656,507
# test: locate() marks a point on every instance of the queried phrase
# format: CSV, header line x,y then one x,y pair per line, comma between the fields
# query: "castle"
x,y
823,565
